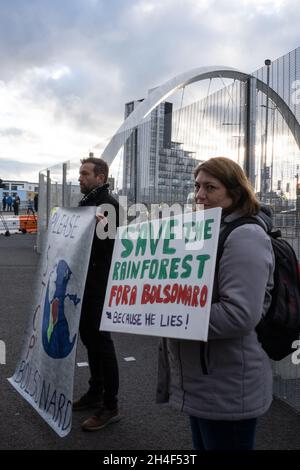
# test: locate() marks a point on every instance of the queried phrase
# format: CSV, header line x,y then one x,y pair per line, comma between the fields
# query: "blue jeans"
x,y
223,435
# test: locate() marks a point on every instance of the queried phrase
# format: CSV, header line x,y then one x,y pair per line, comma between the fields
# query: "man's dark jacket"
x,y
101,253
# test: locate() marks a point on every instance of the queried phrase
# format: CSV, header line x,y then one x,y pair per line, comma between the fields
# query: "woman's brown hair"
x,y
235,181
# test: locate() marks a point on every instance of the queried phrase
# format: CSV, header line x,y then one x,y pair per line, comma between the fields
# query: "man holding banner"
x,y
224,384
104,380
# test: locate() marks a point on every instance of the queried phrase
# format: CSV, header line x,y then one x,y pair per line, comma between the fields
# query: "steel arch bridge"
x,y
162,92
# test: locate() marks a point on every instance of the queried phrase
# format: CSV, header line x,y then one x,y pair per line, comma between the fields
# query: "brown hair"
x,y
100,168
235,181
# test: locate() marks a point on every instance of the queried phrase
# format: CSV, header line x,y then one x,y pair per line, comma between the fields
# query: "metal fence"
x,y
156,161
59,187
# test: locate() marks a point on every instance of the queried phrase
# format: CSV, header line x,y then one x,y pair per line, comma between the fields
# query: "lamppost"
x,y
264,156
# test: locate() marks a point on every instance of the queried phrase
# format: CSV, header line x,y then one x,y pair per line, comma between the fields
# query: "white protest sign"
x,y
161,277
45,372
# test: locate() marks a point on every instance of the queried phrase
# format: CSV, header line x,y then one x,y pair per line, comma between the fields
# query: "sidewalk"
x,y
145,425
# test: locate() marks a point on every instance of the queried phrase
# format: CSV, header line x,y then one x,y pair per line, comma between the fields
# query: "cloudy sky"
x,y
68,66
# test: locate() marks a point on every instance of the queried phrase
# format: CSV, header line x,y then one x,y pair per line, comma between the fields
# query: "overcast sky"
x,y
68,66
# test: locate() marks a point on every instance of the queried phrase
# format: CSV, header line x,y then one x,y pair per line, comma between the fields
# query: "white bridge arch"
x,y
162,92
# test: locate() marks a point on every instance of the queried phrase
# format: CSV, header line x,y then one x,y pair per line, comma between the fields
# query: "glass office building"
x,y
156,168
161,153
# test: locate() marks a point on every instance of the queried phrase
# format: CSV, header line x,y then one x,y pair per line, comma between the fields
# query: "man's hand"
x,y
102,219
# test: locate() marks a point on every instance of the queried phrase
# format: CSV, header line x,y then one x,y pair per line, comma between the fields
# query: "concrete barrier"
x,y
28,223
18,224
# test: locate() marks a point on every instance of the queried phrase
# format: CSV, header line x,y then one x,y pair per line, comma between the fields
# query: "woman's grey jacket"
x,y
229,377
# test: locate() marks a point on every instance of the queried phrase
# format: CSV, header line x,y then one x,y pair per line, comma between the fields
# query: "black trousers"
x,y
102,358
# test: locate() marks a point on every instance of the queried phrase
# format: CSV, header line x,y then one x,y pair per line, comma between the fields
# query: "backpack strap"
x,y
226,231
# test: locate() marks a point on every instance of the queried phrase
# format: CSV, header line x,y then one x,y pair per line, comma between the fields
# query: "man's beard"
x,y
85,190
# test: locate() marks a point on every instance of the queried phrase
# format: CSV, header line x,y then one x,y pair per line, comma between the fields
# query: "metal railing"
x,y
59,187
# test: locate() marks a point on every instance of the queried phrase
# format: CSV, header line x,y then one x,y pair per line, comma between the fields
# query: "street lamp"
x,y
264,153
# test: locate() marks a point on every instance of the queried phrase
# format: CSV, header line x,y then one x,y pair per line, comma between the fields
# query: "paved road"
x,y
145,425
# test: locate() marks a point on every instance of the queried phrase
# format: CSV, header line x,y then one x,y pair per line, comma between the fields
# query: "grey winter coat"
x,y
228,377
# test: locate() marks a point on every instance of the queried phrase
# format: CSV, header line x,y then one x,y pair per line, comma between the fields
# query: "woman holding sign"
x,y
224,384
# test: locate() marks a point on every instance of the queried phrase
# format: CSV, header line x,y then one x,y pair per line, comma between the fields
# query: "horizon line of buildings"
x,y
25,189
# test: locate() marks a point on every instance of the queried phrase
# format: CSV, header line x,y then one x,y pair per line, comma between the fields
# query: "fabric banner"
x,y
45,373
161,277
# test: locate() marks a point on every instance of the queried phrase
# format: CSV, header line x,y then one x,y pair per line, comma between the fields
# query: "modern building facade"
x,y
156,169
26,190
